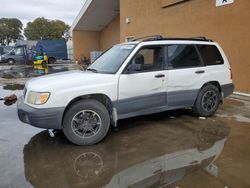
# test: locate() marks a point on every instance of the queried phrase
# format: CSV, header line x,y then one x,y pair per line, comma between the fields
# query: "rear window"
x,y
210,55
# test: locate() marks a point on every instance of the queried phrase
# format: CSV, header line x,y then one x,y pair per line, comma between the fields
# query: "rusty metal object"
x,y
9,100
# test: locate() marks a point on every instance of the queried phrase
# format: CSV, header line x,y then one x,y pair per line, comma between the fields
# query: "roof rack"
x,y
149,38
159,37
200,38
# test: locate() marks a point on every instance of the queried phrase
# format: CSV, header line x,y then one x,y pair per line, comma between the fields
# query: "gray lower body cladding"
x,y
155,103
49,118
159,102
227,89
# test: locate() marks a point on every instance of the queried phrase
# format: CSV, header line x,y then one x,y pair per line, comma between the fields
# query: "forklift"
x,y
41,59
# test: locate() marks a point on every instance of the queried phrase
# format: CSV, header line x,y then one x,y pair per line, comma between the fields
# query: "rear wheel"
x,y
207,102
51,60
86,122
11,61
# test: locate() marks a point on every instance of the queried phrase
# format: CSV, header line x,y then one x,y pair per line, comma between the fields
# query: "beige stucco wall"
x,y
84,42
110,35
229,25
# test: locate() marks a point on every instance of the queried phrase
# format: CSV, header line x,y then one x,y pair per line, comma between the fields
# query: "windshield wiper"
x,y
92,70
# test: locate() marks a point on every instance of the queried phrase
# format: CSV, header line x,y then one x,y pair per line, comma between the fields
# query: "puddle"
x,y
13,87
34,71
124,159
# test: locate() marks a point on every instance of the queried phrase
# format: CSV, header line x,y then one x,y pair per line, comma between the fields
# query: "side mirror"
x,y
133,68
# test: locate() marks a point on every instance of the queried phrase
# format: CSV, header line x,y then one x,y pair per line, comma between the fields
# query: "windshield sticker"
x,y
127,47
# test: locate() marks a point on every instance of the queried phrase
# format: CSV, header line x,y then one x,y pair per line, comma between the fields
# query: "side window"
x,y
18,51
149,59
210,55
183,56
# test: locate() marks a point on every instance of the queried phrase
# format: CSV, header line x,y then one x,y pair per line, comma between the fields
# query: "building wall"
x,y
228,25
84,42
110,35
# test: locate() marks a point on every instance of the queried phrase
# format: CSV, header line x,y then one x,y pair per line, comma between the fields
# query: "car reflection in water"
x,y
145,152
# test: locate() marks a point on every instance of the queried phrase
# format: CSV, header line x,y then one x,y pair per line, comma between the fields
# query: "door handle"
x,y
159,75
199,72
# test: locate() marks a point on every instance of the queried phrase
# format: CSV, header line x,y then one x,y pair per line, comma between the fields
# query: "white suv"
x,y
130,79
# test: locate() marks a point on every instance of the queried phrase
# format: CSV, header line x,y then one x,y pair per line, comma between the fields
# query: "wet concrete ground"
x,y
170,149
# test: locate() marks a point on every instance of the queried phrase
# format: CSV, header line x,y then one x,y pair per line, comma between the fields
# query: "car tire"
x,y
51,60
86,122
11,62
207,101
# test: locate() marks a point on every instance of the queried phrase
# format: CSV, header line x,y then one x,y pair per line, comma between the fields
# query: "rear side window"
x,y
183,56
210,55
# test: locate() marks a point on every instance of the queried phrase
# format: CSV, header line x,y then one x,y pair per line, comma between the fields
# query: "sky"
x,y
28,10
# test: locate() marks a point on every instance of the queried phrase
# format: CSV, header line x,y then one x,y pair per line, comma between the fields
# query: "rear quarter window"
x,y
210,55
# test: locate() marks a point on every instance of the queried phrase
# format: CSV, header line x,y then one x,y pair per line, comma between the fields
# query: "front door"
x,y
143,90
19,55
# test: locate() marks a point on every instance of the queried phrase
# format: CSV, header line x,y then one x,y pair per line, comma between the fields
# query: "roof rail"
x,y
199,38
159,37
149,38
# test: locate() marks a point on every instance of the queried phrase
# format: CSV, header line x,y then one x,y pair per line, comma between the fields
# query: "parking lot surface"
x,y
170,149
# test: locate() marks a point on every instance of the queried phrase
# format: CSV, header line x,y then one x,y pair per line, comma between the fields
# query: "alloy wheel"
x,y
86,124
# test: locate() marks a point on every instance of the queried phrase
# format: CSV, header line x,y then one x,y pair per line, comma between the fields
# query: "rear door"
x,y
145,89
186,72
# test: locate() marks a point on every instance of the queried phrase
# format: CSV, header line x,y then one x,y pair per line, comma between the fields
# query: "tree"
x,y
10,30
42,28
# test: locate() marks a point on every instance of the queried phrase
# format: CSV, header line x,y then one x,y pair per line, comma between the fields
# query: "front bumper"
x,y
48,118
2,60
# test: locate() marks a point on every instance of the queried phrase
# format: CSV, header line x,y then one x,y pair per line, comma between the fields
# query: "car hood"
x,y
68,79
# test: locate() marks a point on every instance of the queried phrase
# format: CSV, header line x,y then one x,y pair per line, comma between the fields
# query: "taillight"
x,y
231,74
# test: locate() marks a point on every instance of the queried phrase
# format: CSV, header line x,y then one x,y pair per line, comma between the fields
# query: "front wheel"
x,y
86,122
207,102
11,61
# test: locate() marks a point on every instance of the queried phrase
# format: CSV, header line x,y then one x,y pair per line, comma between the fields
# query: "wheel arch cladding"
x,y
10,59
102,98
214,83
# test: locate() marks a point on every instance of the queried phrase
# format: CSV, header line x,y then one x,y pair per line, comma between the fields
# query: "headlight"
x,y
37,97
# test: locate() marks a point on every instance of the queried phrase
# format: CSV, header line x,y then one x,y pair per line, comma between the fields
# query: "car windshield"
x,y
11,51
112,59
